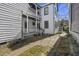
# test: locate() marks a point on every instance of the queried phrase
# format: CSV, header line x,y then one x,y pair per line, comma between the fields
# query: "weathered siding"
x,y
11,21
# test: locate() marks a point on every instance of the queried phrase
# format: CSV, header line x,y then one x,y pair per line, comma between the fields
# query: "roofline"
x,y
44,5
47,4
38,5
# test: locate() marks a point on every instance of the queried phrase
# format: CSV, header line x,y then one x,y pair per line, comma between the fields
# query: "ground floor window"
x,y
25,24
46,24
33,23
38,25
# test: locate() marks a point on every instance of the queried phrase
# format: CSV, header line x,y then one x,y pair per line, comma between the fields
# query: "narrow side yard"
x,y
10,47
39,47
46,43
35,47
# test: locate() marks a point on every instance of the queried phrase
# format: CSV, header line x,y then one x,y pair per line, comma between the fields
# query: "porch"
x,y
31,26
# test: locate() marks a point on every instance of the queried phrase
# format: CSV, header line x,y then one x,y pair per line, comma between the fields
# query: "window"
x,y
46,11
25,24
33,23
46,24
38,25
38,13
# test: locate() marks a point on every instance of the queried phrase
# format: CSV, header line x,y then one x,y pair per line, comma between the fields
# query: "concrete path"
x,y
49,41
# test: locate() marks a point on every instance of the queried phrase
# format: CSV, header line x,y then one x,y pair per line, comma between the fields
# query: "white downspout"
x,y
69,7
27,25
36,17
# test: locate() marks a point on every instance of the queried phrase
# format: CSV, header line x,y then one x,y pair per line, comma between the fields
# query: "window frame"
x,y
33,23
46,11
25,24
46,24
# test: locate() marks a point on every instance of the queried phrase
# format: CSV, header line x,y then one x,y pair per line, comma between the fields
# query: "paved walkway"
x,y
49,41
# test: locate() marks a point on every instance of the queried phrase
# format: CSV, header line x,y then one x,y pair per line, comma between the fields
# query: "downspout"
x,y
54,18
70,17
36,17
22,26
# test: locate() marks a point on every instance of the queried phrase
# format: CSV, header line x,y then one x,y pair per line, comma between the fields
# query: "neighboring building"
x,y
74,20
48,14
20,20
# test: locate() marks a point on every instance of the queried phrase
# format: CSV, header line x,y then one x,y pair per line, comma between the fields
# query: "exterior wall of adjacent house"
x,y
74,22
11,20
49,18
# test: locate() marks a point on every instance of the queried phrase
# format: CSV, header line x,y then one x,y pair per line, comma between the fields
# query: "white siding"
x,y
49,18
10,21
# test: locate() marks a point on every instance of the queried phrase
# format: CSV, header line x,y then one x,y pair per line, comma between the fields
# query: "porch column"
x,y
36,16
36,24
27,24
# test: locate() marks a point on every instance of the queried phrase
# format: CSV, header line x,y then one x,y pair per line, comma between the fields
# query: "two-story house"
x,y
20,20
48,15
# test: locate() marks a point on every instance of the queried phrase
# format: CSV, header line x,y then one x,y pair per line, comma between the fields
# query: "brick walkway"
x,y
49,41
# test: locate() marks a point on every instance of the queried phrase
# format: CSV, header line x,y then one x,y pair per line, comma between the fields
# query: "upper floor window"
x,y
46,11
38,13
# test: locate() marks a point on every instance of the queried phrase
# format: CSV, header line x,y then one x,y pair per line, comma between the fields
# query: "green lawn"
x,y
35,51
